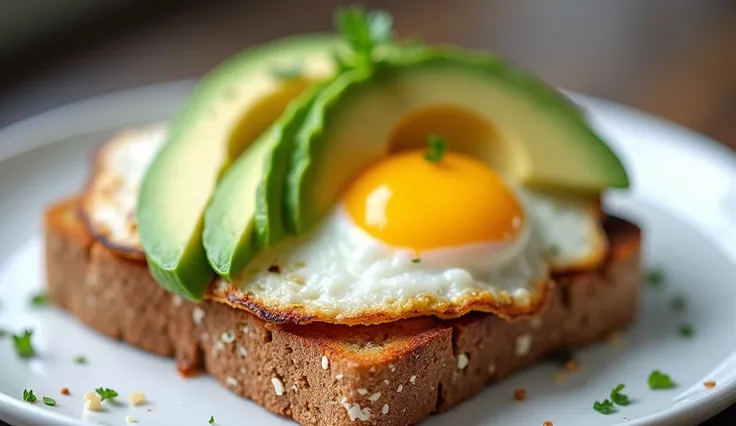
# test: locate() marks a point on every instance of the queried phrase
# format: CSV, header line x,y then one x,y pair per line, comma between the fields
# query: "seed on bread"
x,y
325,362
227,337
197,315
363,391
355,411
523,345
399,388
231,381
412,379
462,361
375,396
384,409
278,386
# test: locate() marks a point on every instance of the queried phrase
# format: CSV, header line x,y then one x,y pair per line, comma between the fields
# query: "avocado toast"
x,y
402,314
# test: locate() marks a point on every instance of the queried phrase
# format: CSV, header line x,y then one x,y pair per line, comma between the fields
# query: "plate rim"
x,y
72,120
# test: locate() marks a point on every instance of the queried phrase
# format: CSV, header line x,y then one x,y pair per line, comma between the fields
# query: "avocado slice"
x,y
229,109
246,211
523,128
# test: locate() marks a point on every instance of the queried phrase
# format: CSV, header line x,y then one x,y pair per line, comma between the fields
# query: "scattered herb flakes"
x,y
678,303
417,260
106,393
28,396
39,300
212,420
686,330
619,398
437,146
49,401
655,278
23,345
605,407
80,359
659,380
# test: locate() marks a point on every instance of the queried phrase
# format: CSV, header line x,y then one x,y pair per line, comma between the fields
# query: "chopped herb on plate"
x,y
212,419
106,393
80,359
686,330
605,407
23,345
363,31
659,380
655,278
437,145
39,300
619,398
678,303
416,260
49,401
28,396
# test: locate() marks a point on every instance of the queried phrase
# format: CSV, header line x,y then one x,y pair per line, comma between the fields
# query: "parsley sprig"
x,y
49,401
39,300
659,380
619,398
436,148
605,407
28,396
212,420
106,393
23,345
364,31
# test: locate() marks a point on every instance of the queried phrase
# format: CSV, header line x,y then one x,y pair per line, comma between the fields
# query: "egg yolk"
x,y
407,201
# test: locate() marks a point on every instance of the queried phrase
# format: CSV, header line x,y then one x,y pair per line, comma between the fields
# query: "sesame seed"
x,y
325,362
400,388
243,370
245,329
412,379
197,315
217,347
278,386
355,412
462,361
384,409
523,345
392,368
242,351
520,394
231,381
339,376
363,391
710,384
374,396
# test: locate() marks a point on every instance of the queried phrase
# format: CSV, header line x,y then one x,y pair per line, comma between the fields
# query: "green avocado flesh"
x,y
226,112
482,106
246,212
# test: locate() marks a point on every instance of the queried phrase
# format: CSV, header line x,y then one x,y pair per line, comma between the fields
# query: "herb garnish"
x,y
678,303
49,401
618,397
80,359
23,345
655,278
212,419
364,31
659,380
686,330
28,396
417,260
106,393
605,407
437,146
39,300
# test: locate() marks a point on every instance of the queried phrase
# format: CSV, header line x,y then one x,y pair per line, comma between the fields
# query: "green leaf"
x,y
656,277
212,419
28,396
363,31
605,407
659,380
39,300
106,393
437,146
618,397
80,359
49,401
686,330
23,345
416,260
678,303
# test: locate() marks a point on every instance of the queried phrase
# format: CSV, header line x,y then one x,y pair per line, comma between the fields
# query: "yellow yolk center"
x,y
408,201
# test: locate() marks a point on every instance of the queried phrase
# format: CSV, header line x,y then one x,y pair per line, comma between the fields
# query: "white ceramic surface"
x,y
683,195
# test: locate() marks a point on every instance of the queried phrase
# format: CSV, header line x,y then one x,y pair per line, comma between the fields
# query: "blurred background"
x,y
673,58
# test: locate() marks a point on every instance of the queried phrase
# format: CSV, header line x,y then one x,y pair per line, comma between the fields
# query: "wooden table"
x,y
675,58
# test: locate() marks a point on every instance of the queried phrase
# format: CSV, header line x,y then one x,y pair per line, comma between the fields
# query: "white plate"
x,y
683,196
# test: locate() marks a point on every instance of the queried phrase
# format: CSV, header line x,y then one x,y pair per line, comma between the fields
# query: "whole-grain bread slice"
x,y
318,374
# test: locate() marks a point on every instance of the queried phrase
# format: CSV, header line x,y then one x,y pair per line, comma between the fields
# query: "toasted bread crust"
x,y
389,374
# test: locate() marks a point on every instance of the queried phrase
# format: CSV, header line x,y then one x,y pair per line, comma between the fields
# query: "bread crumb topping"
x,y
278,386
462,361
325,362
137,398
374,396
339,376
384,409
354,410
197,315
523,344
520,394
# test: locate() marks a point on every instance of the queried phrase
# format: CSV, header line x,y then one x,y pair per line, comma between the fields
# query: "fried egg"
x,y
109,202
413,237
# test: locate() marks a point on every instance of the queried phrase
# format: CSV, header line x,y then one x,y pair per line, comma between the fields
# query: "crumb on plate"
x,y
520,394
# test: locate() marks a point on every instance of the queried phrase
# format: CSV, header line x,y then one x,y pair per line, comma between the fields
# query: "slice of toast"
x,y
390,374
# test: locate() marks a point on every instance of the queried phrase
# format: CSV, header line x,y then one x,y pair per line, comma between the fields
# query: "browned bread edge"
x,y
390,374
